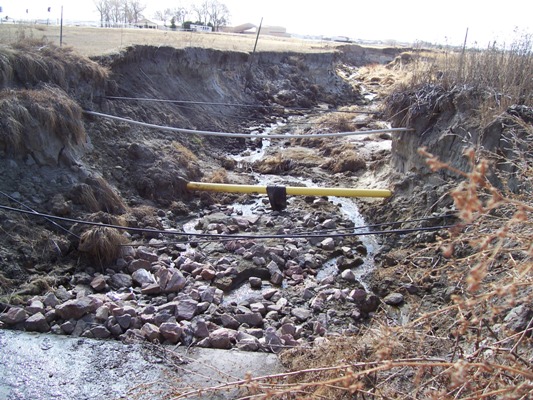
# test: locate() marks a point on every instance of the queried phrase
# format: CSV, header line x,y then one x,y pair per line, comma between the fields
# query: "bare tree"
x,y
212,12
218,14
202,12
136,9
164,15
103,8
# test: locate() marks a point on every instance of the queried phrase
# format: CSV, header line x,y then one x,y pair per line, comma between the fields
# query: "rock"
x,y
99,283
207,293
37,323
142,277
115,330
519,319
62,294
150,332
146,254
288,329
250,319
255,282
393,299
136,265
100,332
208,274
153,288
222,338
370,304
269,293
171,280
68,327
200,329
124,320
186,309
358,295
301,314
102,313
36,306
411,288
258,307
348,275
327,244
120,281
76,308
247,342
171,331
318,303
276,276
344,263
50,300
272,341
229,322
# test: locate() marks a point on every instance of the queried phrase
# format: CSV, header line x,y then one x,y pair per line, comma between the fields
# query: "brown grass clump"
x,y
28,62
185,157
102,244
348,161
274,164
97,195
218,176
33,123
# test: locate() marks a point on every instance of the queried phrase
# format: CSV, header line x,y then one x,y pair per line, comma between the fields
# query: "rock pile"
x,y
185,292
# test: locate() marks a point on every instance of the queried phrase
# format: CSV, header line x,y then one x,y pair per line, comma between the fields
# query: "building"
x,y
146,24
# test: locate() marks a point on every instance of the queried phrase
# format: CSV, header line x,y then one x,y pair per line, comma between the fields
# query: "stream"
x,y
257,206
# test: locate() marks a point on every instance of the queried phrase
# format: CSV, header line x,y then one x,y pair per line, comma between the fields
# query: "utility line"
x,y
245,135
223,104
39,214
228,236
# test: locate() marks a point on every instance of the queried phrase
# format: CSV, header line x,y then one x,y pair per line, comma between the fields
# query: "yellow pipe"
x,y
291,190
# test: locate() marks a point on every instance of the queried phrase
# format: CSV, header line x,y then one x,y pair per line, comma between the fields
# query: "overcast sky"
x,y
407,20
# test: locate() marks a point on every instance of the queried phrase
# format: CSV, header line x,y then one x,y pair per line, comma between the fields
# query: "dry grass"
x,y
218,176
97,195
184,155
29,117
469,348
91,42
102,244
495,77
30,62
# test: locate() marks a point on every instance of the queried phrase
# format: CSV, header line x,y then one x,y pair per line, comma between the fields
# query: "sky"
x,y
444,22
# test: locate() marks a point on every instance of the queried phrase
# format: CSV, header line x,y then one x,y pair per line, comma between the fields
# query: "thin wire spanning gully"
x,y
233,236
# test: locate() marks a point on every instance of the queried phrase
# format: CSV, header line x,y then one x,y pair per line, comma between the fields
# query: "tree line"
x,y
208,12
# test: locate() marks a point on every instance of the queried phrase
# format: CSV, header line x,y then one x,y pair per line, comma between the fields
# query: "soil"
x,y
118,173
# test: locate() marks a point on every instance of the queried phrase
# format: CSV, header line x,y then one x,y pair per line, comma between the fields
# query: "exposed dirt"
x,y
118,173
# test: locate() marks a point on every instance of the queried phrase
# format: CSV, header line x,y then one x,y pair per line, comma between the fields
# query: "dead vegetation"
x,y
96,194
102,244
30,119
474,341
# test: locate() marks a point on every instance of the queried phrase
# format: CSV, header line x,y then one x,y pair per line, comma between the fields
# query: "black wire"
x,y
37,213
236,236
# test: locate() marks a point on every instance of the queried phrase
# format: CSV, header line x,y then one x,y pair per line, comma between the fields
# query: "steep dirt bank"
x,y
108,171
293,290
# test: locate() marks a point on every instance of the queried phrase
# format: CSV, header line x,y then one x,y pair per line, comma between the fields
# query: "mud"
x,y
39,366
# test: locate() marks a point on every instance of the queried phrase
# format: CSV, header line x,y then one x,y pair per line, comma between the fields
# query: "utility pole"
x,y
61,29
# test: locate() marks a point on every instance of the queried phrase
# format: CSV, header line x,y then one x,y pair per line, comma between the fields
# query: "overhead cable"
x,y
211,103
229,236
245,135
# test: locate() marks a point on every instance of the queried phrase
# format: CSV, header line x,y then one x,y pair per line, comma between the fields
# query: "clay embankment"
x,y
119,174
